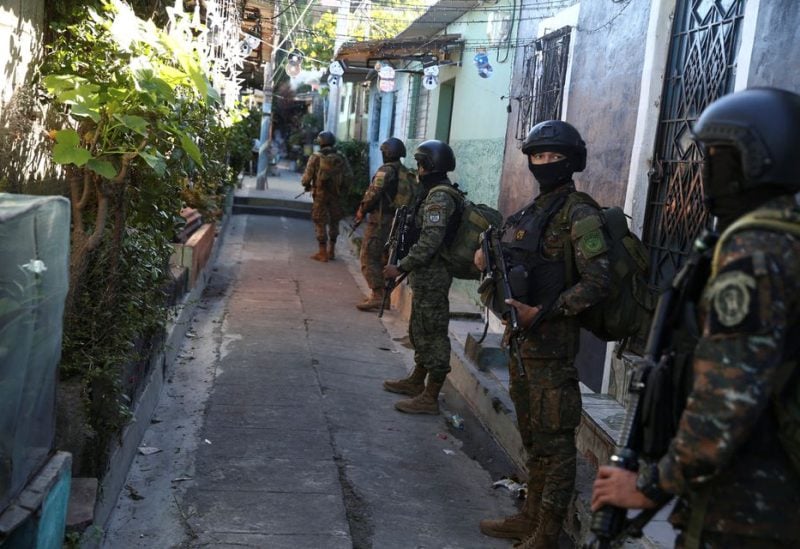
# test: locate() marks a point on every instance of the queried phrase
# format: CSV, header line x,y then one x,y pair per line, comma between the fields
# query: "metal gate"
x,y
700,69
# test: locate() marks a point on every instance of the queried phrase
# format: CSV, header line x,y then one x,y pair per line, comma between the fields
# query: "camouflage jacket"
x,y
311,174
431,218
726,446
381,190
558,335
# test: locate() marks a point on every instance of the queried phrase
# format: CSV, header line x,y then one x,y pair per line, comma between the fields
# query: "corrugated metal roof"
x,y
364,52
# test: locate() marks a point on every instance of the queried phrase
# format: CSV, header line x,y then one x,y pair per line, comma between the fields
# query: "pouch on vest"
x,y
463,235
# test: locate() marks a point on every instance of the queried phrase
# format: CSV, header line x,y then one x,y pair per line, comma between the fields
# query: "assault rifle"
x,y
354,226
396,245
654,372
495,264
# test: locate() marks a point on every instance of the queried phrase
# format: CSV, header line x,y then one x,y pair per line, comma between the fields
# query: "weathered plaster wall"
x,y
776,57
24,154
517,187
478,165
604,92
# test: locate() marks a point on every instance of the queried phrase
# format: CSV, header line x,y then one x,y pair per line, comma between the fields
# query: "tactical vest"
x,y
548,277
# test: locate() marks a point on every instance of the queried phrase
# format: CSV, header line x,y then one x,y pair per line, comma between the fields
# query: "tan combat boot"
x,y
413,385
427,402
372,303
331,248
322,254
519,526
546,534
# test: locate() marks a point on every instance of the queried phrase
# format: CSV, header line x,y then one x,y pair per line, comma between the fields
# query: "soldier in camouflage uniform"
x,y
728,466
547,400
430,282
379,203
328,190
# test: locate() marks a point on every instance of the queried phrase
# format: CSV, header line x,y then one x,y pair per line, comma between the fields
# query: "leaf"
x,y
172,76
133,122
84,111
103,167
156,162
191,149
68,137
56,83
70,154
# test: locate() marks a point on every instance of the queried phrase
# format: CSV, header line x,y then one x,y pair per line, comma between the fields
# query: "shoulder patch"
x,y
730,297
592,243
433,214
737,301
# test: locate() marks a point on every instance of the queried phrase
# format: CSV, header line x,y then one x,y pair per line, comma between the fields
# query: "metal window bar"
x,y
545,71
700,68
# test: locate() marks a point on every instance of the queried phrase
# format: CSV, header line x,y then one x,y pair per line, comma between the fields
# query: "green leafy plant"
x,y
141,133
356,153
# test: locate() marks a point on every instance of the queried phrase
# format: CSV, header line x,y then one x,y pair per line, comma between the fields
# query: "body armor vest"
x,y
546,277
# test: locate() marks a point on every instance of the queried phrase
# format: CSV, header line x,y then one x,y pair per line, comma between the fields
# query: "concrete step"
x,y
271,206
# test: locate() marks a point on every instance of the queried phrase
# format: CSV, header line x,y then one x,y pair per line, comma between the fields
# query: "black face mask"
x,y
723,181
553,175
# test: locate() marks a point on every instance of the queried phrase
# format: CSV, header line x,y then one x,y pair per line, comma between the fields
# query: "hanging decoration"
x,y
430,76
222,48
386,76
481,61
294,63
335,70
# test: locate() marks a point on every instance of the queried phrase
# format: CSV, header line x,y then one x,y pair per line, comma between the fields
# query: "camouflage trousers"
x,y
373,249
548,406
430,317
326,213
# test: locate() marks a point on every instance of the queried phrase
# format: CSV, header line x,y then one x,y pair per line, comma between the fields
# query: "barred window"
x,y
419,100
545,71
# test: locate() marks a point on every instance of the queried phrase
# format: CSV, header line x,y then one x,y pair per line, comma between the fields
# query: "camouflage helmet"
x,y
326,139
761,125
393,149
435,156
557,136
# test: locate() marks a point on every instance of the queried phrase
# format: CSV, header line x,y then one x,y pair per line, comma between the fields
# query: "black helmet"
x,y
557,136
326,139
763,126
393,149
435,156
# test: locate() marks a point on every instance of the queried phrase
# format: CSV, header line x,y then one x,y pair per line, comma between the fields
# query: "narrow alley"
x,y
273,429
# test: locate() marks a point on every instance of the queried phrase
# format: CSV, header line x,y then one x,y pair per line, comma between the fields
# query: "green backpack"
x,y
463,237
330,174
407,187
628,308
786,398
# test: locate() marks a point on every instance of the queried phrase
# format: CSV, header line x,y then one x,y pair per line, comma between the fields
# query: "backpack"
x,y
407,187
786,397
628,308
463,234
330,172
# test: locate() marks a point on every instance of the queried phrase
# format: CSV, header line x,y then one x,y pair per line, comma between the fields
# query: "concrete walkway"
x,y
274,431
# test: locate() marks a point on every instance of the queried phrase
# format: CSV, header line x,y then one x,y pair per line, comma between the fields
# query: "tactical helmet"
x,y
435,156
557,136
762,125
326,139
393,149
